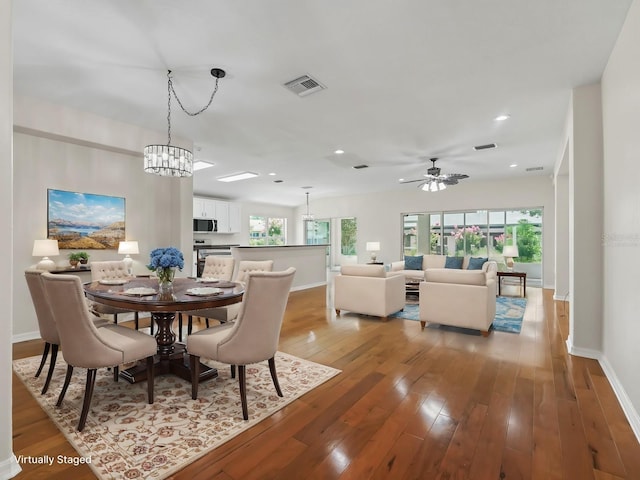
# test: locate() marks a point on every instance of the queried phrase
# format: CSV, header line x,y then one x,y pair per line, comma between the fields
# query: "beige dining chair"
x,y
214,267
228,313
89,347
46,324
112,270
252,338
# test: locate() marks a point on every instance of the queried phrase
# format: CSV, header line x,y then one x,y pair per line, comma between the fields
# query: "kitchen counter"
x,y
310,261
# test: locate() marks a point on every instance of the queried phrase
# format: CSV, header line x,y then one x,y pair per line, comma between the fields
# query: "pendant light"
x,y
307,217
169,160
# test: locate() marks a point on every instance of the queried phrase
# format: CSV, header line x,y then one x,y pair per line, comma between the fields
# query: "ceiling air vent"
x,y
534,169
358,167
305,85
484,147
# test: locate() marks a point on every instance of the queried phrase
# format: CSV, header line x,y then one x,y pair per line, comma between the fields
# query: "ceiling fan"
x,y
435,181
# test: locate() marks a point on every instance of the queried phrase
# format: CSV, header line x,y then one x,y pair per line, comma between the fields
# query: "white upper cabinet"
x,y
204,208
226,213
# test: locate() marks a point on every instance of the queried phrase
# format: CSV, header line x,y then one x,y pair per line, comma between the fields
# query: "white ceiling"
x,y
406,80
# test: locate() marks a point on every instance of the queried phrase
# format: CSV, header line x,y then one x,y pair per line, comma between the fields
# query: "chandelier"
x,y
308,217
169,160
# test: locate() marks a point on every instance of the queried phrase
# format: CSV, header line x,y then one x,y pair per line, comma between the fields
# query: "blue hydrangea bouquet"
x,y
164,262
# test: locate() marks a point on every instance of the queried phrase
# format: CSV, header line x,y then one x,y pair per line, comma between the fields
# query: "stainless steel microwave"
x,y
204,226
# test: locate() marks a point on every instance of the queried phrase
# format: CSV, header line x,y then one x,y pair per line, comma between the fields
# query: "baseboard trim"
x,y
10,467
562,298
627,407
25,337
307,286
625,402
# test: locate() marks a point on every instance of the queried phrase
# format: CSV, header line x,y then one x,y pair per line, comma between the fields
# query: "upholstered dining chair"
x,y
89,347
214,267
111,270
230,312
46,324
252,338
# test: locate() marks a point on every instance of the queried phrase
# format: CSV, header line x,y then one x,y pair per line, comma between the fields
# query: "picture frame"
x,y
85,221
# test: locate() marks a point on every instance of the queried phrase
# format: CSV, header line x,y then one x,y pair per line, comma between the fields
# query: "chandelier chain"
x,y
192,114
169,88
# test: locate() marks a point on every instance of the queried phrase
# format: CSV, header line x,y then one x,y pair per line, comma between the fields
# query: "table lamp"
x,y
45,248
509,252
128,248
373,248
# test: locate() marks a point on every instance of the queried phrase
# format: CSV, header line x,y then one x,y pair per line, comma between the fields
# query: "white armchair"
x,y
369,290
459,298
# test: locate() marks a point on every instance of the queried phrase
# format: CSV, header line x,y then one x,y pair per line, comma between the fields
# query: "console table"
x,y
521,276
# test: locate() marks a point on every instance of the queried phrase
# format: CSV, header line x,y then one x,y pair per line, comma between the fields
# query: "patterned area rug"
x,y
509,313
128,438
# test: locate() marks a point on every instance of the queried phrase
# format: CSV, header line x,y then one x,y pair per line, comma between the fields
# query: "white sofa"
x,y
433,261
369,290
459,298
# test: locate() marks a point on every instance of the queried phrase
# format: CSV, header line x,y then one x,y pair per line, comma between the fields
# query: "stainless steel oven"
x,y
217,250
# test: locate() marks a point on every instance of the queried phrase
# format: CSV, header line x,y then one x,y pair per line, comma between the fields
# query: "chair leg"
x,y
116,373
194,366
180,327
88,393
274,376
242,379
45,353
189,324
150,378
135,319
233,371
52,366
206,321
115,318
151,325
67,380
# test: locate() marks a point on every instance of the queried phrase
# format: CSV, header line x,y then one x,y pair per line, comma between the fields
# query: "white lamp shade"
x,y
45,248
373,246
128,248
510,251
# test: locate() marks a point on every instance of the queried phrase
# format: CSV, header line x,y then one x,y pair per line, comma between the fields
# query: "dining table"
x,y
142,294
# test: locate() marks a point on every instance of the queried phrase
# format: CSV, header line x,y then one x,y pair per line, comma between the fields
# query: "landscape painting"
x,y
84,220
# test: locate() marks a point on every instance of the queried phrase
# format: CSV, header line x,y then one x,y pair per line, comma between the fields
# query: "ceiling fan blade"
x,y
457,176
413,181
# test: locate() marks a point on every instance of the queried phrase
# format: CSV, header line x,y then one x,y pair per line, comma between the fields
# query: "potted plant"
x,y
74,258
84,257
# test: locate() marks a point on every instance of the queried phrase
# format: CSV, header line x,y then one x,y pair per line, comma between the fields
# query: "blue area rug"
x,y
509,313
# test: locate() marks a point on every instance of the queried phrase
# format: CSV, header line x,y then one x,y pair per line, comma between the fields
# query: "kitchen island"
x,y
310,261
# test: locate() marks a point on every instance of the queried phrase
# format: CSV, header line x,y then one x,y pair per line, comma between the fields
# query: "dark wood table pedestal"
x,y
171,357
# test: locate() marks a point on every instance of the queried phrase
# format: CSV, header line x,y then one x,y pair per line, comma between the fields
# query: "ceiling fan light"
x,y
442,186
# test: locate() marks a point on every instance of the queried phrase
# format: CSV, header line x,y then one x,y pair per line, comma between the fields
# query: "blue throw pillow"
x,y
453,262
413,263
476,263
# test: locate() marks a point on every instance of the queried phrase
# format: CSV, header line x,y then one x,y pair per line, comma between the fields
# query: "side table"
x,y
521,276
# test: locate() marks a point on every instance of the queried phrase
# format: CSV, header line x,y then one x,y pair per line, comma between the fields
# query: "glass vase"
x,y
165,279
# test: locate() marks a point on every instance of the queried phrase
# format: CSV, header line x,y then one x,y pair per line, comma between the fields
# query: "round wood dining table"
x,y
171,356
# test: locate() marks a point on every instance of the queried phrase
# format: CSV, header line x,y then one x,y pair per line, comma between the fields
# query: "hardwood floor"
x,y
409,404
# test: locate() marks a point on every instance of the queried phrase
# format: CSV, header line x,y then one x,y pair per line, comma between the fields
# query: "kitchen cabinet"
x,y
226,213
222,216
204,208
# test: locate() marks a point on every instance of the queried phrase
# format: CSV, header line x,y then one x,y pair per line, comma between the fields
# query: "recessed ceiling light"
x,y
200,164
339,152
502,118
272,173
513,165
401,179
237,176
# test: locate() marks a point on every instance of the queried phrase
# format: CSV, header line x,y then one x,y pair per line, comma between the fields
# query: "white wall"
x,y
621,240
158,209
379,216
8,465
585,221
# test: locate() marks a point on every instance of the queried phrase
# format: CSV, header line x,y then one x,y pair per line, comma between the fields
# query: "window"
x,y
267,231
478,233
